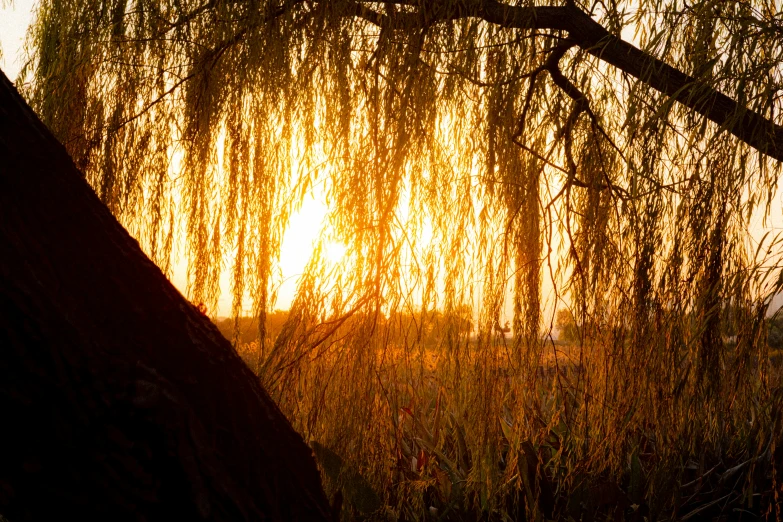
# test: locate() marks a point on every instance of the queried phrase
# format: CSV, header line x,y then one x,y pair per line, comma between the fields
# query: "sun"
x,y
334,252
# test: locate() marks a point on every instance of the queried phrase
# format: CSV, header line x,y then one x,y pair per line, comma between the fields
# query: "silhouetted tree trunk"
x,y
118,399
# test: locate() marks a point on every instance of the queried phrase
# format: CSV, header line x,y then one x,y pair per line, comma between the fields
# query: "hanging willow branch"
x,y
746,124
466,148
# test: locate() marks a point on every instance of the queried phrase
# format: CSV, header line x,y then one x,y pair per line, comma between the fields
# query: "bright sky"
x,y
14,20
15,17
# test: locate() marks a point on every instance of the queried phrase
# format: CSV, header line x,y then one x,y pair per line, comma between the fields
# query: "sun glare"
x,y
334,252
304,228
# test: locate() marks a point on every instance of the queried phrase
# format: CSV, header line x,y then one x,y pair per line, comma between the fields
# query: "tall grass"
x,y
447,426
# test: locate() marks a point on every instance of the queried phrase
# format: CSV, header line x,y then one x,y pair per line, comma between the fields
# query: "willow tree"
x,y
606,156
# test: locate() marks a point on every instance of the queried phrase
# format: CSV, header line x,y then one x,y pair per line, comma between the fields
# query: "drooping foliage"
x,y
482,161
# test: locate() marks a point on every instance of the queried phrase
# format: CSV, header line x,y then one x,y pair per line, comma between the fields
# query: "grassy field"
x,y
459,427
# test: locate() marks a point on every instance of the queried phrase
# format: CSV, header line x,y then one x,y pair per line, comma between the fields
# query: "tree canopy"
x,y
468,113
473,146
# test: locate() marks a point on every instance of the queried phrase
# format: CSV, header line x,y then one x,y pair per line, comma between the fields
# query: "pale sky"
x,y
14,20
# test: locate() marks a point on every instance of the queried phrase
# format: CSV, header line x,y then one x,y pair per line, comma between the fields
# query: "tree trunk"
x,y
119,400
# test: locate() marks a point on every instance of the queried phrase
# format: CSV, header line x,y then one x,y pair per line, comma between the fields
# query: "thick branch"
x,y
747,125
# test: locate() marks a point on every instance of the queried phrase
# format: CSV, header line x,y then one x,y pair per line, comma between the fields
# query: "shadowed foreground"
x,y
119,400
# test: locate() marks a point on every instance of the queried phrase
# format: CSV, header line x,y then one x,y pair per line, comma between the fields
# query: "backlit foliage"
x,y
478,172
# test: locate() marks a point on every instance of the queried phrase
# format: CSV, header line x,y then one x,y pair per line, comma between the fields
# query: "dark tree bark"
x,y
118,399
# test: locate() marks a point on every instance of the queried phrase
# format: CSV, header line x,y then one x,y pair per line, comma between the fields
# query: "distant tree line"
x,y
430,328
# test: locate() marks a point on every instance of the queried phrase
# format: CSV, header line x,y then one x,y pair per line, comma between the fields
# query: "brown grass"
x,y
439,431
